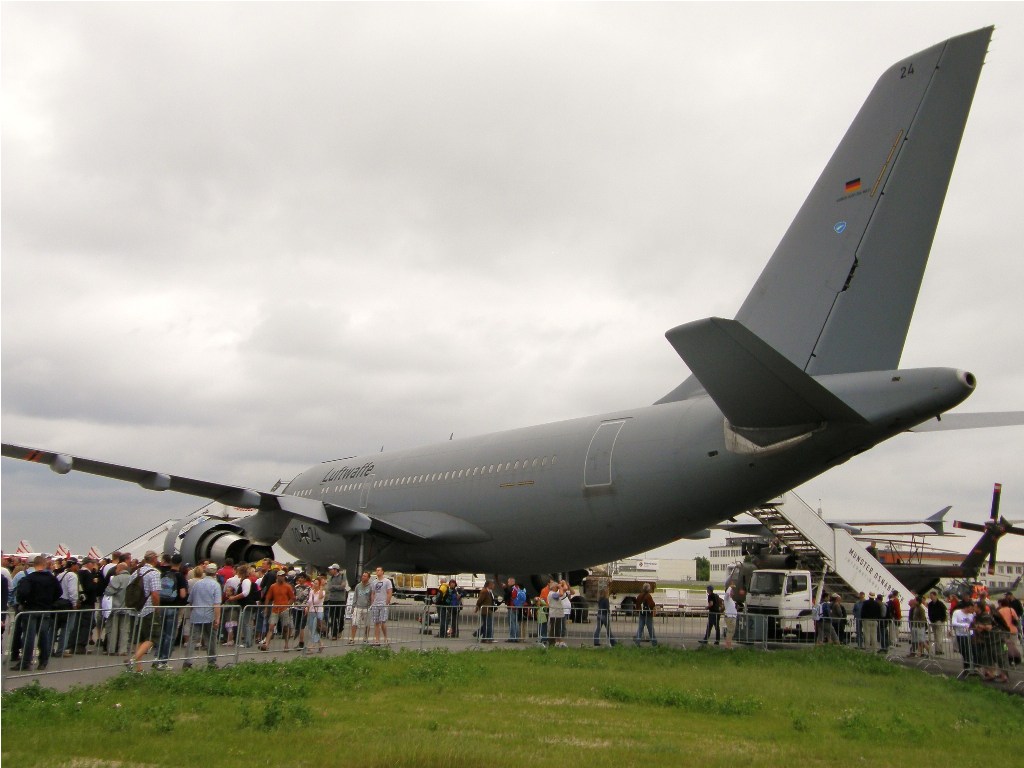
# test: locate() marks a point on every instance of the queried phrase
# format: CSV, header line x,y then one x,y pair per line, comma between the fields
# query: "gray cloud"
x,y
242,238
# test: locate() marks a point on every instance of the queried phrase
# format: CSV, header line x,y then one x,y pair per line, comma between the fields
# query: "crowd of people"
x,y
987,632
66,607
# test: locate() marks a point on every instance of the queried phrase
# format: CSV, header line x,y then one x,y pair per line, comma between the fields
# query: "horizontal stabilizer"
x,y
753,385
936,522
985,420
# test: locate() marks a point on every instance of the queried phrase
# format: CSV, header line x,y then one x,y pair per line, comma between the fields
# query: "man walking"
x,y
148,628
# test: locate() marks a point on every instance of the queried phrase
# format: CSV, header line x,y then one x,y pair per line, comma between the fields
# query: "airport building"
x,y
724,556
1007,576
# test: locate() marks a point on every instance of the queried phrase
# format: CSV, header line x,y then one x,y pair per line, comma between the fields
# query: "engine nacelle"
x,y
210,538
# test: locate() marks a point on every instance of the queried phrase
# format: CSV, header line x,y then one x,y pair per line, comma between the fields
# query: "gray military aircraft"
x,y
802,379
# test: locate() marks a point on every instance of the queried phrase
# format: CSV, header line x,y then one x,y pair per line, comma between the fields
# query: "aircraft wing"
x,y
411,527
744,529
233,495
972,421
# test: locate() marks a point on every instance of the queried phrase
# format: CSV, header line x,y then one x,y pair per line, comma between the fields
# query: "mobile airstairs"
x,y
847,565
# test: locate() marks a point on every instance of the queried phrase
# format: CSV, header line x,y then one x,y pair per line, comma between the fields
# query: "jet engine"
x,y
211,538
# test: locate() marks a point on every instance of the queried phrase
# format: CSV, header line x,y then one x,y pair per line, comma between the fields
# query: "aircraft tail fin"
x,y
755,387
937,521
838,294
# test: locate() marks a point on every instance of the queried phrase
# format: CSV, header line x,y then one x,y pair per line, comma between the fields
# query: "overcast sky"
x,y
240,239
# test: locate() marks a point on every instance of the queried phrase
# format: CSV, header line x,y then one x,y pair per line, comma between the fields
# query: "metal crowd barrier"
x,y
94,639
77,639
622,627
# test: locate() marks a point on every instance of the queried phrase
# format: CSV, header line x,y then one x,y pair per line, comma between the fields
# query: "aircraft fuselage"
x,y
611,485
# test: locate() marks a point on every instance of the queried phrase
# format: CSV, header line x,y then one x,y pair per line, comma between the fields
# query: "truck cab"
x,y
786,596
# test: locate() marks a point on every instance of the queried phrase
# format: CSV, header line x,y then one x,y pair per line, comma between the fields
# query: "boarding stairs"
x,y
847,566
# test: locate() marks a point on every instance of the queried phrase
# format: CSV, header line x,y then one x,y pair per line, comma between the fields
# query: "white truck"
x,y
786,597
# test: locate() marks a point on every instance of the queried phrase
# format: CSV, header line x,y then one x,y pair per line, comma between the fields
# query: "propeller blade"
x,y
997,491
992,560
969,526
1015,530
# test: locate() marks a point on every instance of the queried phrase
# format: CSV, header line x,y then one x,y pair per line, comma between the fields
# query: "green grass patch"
x,y
537,707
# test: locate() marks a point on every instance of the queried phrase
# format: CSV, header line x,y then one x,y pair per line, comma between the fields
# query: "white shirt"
x,y
730,604
962,623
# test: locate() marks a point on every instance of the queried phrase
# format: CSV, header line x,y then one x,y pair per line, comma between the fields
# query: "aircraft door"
x,y
597,470
364,494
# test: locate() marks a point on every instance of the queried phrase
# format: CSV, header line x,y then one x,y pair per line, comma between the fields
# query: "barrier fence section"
x,y
587,627
181,637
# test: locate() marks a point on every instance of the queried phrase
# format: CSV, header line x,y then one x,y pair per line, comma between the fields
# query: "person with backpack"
x,y
149,579
515,599
173,595
455,604
716,607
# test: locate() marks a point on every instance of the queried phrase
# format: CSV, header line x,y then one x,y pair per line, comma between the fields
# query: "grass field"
x,y
570,707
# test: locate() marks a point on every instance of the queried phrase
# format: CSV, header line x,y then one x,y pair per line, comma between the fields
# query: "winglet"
x,y
754,386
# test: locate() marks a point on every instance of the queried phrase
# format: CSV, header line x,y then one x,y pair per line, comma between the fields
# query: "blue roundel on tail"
x,y
839,227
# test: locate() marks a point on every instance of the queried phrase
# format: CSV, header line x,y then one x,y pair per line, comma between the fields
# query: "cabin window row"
x,y
455,474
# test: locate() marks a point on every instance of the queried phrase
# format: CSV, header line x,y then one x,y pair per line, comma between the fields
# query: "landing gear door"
x,y
597,470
